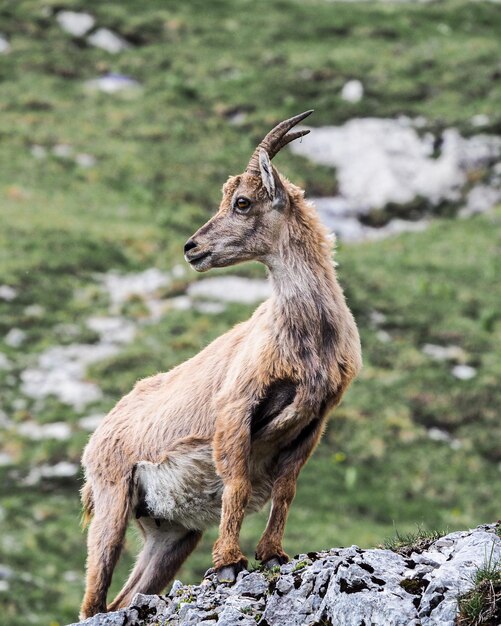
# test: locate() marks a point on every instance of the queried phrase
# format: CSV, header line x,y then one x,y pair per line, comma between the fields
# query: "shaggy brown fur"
x,y
222,433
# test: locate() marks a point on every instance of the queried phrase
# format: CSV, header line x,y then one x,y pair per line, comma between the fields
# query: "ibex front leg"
x,y
290,462
231,453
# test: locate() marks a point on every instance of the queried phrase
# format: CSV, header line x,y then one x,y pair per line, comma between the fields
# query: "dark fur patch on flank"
x,y
277,396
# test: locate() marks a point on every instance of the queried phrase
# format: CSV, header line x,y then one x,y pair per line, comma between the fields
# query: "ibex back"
x,y
222,433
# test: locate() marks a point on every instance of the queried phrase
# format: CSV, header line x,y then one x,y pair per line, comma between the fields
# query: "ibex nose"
x,y
189,245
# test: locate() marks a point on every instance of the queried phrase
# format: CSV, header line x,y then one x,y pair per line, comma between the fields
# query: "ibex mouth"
x,y
194,260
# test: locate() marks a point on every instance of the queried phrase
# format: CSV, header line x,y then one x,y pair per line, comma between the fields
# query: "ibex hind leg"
x,y
104,543
166,547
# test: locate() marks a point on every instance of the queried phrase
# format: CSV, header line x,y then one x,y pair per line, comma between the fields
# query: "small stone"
x,y
121,287
253,584
5,364
74,23
480,199
444,353
377,318
480,120
437,434
209,308
34,311
6,459
63,469
231,289
238,118
85,160
108,40
112,83
6,572
443,29
4,45
15,337
91,422
72,577
464,372
62,150
180,303
383,336
60,431
7,293
113,329
352,91
38,152
179,271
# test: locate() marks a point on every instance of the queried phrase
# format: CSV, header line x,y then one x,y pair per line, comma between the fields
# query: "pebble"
x,y
91,422
464,372
60,431
75,23
112,329
437,434
7,293
112,83
85,160
352,91
62,150
121,287
38,152
63,469
480,120
231,289
4,45
444,353
107,40
15,337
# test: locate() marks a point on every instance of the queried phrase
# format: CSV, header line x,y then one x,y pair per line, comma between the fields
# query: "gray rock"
x,y
4,45
15,337
352,91
7,293
108,40
345,586
231,289
112,83
379,161
73,23
254,584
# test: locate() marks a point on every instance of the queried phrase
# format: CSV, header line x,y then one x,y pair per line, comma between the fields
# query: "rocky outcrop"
x,y
417,586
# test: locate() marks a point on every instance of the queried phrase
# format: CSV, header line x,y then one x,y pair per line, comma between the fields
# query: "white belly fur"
x,y
186,490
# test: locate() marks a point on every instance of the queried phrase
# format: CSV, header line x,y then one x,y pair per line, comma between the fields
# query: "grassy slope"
x,y
161,157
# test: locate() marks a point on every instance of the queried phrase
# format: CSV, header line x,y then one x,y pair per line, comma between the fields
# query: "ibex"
x,y
219,435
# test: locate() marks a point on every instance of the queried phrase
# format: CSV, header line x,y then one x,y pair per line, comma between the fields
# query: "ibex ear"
x,y
271,182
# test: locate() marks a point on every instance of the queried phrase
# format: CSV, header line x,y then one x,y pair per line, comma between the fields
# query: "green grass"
x,y
161,157
416,541
482,605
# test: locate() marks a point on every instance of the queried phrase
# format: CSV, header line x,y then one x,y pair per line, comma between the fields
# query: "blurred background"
x,y
119,122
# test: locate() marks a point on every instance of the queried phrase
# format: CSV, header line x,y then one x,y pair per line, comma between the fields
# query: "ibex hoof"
x,y
229,573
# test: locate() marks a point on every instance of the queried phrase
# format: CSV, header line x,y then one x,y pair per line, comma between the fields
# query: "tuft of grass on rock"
x,y
407,543
482,605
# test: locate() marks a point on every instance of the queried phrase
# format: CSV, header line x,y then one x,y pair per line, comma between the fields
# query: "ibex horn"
x,y
276,139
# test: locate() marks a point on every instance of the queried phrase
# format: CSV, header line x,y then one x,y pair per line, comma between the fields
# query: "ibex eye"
x,y
242,204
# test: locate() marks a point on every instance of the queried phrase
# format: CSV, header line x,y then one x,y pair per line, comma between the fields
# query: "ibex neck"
x,y
308,304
